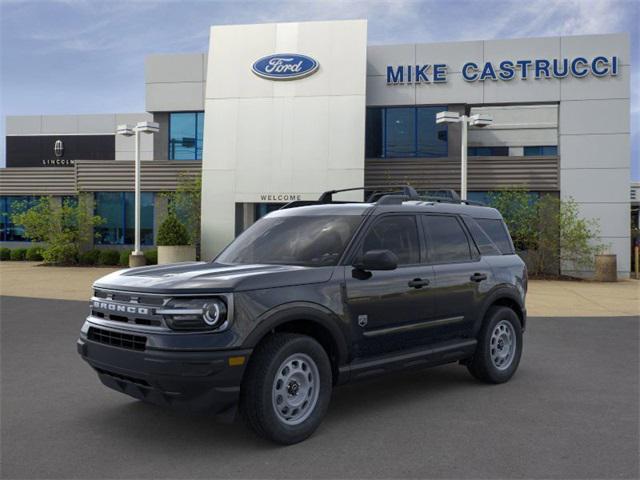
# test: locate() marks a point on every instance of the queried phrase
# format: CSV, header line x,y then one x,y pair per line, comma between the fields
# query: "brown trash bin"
x,y
606,268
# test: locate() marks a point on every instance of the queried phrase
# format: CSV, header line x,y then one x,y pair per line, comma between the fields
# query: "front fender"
x,y
308,311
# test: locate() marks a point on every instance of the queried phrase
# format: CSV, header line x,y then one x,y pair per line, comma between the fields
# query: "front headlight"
x,y
195,314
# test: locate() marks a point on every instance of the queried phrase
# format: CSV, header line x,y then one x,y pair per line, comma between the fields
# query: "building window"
x,y
488,151
185,135
9,232
117,209
405,132
541,151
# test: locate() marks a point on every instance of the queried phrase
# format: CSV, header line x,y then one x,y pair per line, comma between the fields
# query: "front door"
x,y
387,308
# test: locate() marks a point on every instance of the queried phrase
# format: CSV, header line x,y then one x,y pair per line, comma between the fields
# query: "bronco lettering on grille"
x,y
116,307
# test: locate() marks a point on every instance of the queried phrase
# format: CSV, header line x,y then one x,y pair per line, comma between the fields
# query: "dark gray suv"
x,y
314,295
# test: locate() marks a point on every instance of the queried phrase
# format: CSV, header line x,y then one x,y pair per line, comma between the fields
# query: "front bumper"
x,y
195,381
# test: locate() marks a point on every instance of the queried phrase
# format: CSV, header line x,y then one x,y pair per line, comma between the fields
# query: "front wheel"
x,y
287,387
499,347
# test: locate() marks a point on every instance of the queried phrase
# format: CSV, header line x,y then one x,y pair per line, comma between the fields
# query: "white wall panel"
x,y
594,117
269,137
174,97
595,151
599,185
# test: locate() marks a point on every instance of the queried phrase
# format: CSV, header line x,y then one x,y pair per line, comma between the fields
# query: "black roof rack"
x,y
386,195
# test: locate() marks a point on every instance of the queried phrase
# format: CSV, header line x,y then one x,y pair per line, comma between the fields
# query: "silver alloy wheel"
x,y
503,345
296,389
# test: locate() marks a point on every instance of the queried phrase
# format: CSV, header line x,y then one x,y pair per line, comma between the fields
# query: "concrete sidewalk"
x,y
546,298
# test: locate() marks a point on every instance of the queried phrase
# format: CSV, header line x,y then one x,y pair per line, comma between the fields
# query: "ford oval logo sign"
x,y
285,66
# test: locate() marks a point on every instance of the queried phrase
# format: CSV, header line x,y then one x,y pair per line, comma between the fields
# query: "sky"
x,y
87,56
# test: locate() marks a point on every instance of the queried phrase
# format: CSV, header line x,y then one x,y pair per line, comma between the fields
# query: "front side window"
x,y
397,233
310,241
447,241
185,135
117,210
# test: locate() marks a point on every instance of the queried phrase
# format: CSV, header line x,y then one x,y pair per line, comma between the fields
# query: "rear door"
x,y
388,308
461,276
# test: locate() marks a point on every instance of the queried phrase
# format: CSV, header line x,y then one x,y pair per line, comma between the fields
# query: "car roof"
x,y
412,206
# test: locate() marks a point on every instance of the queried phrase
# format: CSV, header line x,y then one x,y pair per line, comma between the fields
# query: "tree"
x,y
184,203
172,232
64,227
548,231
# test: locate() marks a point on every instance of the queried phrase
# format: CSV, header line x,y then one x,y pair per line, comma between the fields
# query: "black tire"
x,y
257,403
482,366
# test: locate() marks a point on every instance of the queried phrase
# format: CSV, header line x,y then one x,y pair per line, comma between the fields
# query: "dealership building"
x,y
280,112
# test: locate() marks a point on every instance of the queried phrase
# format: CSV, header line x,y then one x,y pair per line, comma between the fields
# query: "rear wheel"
x,y
499,346
287,387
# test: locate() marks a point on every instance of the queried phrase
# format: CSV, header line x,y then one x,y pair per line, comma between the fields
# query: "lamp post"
x,y
477,120
136,259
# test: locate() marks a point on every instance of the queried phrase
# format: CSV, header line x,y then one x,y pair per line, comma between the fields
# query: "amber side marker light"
x,y
236,361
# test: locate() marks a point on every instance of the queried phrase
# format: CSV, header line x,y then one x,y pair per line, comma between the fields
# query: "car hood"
x,y
202,277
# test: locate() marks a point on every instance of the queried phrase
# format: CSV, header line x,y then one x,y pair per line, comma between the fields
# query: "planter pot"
x,y
606,268
176,253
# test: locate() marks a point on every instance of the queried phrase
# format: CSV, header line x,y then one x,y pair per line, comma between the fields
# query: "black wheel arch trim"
x,y
499,293
301,311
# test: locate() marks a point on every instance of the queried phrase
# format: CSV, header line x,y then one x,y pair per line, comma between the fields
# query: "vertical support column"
x,y
463,158
136,250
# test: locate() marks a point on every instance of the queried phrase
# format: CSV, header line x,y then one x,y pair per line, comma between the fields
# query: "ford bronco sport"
x,y
314,295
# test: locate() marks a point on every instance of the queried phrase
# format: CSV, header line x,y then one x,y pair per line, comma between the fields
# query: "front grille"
x,y
129,297
132,308
117,339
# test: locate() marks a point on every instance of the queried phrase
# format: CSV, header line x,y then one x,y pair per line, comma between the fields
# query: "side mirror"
x,y
377,260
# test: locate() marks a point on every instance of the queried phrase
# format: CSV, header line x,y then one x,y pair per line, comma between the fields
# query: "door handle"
x,y
418,283
478,277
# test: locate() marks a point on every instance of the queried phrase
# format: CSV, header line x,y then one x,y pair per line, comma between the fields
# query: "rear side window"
x,y
498,233
446,239
484,243
397,233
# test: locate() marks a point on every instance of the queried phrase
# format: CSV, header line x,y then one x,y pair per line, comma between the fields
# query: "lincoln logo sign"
x,y
58,148
505,70
285,66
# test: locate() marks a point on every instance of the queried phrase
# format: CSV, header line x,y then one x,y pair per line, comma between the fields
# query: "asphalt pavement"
x,y
571,411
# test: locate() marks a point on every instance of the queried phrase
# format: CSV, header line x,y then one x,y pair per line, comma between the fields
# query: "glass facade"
x,y
185,135
405,132
117,209
488,151
9,232
541,151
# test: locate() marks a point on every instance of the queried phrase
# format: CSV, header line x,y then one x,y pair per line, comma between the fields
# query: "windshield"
x,y
311,241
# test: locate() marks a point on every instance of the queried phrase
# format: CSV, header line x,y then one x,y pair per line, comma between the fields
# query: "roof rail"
x,y
386,195
437,199
379,191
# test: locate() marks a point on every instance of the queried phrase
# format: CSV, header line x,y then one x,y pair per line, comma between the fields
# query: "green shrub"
x,y
63,227
90,257
61,254
5,253
172,232
34,254
18,254
124,258
151,256
109,257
